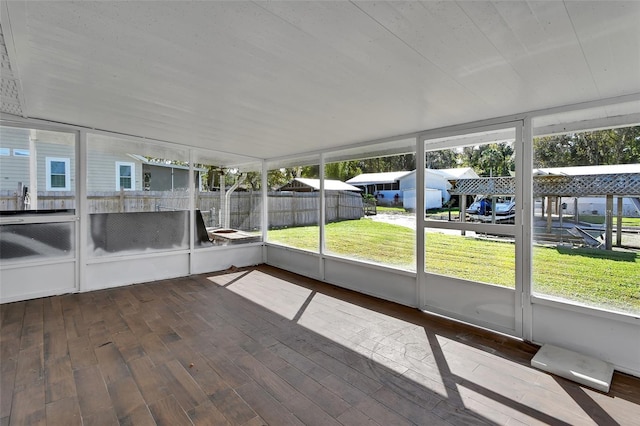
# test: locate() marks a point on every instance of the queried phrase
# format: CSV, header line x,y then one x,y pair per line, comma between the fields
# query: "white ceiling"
x,y
279,78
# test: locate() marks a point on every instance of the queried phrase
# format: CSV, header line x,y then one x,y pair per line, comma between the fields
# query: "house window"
x,y
58,174
125,175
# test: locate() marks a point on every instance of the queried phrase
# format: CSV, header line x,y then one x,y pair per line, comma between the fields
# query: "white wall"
x,y
37,280
385,283
432,199
587,205
432,180
102,171
611,338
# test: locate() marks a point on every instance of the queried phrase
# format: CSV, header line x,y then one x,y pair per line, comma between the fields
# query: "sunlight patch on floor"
x,y
278,296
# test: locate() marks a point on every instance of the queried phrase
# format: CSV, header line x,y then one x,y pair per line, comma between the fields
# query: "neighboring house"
x,y
436,186
312,185
41,161
108,172
595,205
384,186
132,172
438,179
398,188
54,163
163,176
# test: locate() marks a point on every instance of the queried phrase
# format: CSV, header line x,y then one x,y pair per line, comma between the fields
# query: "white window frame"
x,y
67,173
133,175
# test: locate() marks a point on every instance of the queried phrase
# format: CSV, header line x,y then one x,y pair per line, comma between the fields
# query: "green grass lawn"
x,y
594,277
599,220
393,210
358,239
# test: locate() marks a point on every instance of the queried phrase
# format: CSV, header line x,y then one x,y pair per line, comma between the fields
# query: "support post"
x,y
559,203
493,209
608,221
20,197
223,191
33,174
549,214
619,223
121,201
576,215
463,210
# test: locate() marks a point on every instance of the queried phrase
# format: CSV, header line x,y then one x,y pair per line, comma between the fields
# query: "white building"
x,y
385,186
435,179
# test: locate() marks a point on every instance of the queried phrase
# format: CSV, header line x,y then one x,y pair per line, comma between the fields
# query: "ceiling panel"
x,y
272,79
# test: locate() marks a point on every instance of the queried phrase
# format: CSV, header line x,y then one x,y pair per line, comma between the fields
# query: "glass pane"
x,y
586,217
31,182
145,217
228,200
58,181
294,206
57,168
125,182
125,171
484,258
477,176
136,232
36,241
472,179
365,212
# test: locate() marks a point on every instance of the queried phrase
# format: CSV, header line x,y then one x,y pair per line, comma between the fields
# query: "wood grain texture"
x,y
191,351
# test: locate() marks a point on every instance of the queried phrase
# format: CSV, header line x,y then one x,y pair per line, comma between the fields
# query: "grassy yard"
x,y
392,210
358,239
595,277
599,220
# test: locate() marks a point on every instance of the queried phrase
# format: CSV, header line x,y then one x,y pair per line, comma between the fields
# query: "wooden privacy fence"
x,y
286,209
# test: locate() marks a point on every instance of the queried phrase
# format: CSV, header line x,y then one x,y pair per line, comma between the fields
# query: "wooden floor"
x,y
262,346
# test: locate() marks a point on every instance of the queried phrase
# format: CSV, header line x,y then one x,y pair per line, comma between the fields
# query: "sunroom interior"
x,y
144,142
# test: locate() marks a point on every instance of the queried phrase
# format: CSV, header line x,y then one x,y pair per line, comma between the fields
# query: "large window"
x,y
368,216
470,207
294,204
228,200
37,195
586,214
148,209
37,170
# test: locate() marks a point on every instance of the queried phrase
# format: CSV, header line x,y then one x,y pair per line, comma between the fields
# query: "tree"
x,y
598,147
491,159
393,163
494,159
342,170
443,159
550,151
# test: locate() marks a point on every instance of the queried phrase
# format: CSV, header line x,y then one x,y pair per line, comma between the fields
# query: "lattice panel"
x,y
627,184
487,186
584,185
9,88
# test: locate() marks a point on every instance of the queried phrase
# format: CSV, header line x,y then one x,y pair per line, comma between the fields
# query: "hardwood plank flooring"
x,y
262,346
